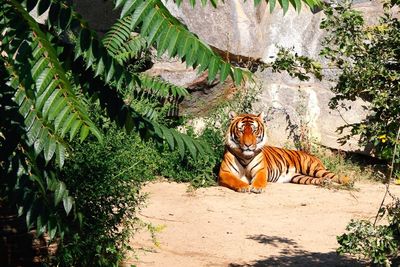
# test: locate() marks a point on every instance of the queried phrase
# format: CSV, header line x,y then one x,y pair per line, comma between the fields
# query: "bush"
x,y
368,58
105,180
377,243
200,172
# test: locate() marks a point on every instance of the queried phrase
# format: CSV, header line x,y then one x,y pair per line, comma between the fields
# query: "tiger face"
x,y
246,135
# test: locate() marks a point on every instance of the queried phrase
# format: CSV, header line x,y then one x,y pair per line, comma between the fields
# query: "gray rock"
x,y
293,108
299,110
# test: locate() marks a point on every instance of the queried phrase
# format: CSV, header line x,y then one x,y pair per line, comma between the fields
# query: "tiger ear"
x,y
232,115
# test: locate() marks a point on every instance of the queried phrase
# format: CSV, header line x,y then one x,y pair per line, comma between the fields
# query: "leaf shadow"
x,y
293,255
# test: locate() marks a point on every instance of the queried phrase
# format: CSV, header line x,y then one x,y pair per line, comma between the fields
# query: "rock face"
x,y
290,105
242,29
299,110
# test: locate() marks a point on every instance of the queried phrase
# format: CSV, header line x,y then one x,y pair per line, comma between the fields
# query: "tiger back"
x,y
249,163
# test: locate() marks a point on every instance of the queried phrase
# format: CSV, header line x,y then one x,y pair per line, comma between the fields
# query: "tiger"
x,y
249,163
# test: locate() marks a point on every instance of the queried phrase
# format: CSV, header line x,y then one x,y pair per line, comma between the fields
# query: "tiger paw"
x,y
256,189
243,189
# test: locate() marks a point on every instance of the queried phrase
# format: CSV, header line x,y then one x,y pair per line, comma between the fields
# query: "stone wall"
x,y
242,29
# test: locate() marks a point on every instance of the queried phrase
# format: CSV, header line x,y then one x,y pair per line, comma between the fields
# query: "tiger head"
x,y
246,134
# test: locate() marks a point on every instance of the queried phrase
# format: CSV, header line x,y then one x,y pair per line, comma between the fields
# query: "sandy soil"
x,y
288,225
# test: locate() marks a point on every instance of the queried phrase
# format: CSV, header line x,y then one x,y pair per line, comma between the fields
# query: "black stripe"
x,y
308,168
230,163
315,172
258,163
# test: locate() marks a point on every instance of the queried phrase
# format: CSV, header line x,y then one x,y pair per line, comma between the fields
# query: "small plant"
x,y
377,243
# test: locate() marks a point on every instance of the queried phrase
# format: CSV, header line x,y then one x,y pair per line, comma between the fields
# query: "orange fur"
x,y
248,163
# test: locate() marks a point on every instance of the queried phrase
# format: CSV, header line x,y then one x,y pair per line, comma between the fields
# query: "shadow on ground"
x,y
293,255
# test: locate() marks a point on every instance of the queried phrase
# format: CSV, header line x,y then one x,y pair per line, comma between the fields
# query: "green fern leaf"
x,y
49,150
41,140
83,133
167,33
140,12
190,145
129,5
166,133
51,81
238,74
284,4
60,117
123,29
180,144
213,68
159,25
149,20
60,155
131,49
225,70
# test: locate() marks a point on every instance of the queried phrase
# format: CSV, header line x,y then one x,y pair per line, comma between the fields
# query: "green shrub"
x,y
105,180
200,172
377,243
368,57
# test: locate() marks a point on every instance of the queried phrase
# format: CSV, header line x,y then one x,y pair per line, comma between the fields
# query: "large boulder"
x,y
241,28
298,111
291,106
238,27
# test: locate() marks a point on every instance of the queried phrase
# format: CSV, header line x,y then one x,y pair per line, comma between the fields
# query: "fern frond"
x,y
162,88
126,116
180,141
167,34
120,43
118,35
39,133
47,91
132,49
99,56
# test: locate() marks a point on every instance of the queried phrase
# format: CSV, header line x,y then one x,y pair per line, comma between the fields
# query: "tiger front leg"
x,y
230,173
259,183
233,182
259,177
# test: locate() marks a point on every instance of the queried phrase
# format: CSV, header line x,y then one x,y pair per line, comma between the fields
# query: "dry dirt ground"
x,y
288,225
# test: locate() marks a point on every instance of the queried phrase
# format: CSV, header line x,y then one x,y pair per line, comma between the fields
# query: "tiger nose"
x,y
247,145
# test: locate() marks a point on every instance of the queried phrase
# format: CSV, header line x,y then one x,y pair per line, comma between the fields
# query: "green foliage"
x,y
105,180
377,243
368,58
201,171
358,167
295,65
47,73
160,29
